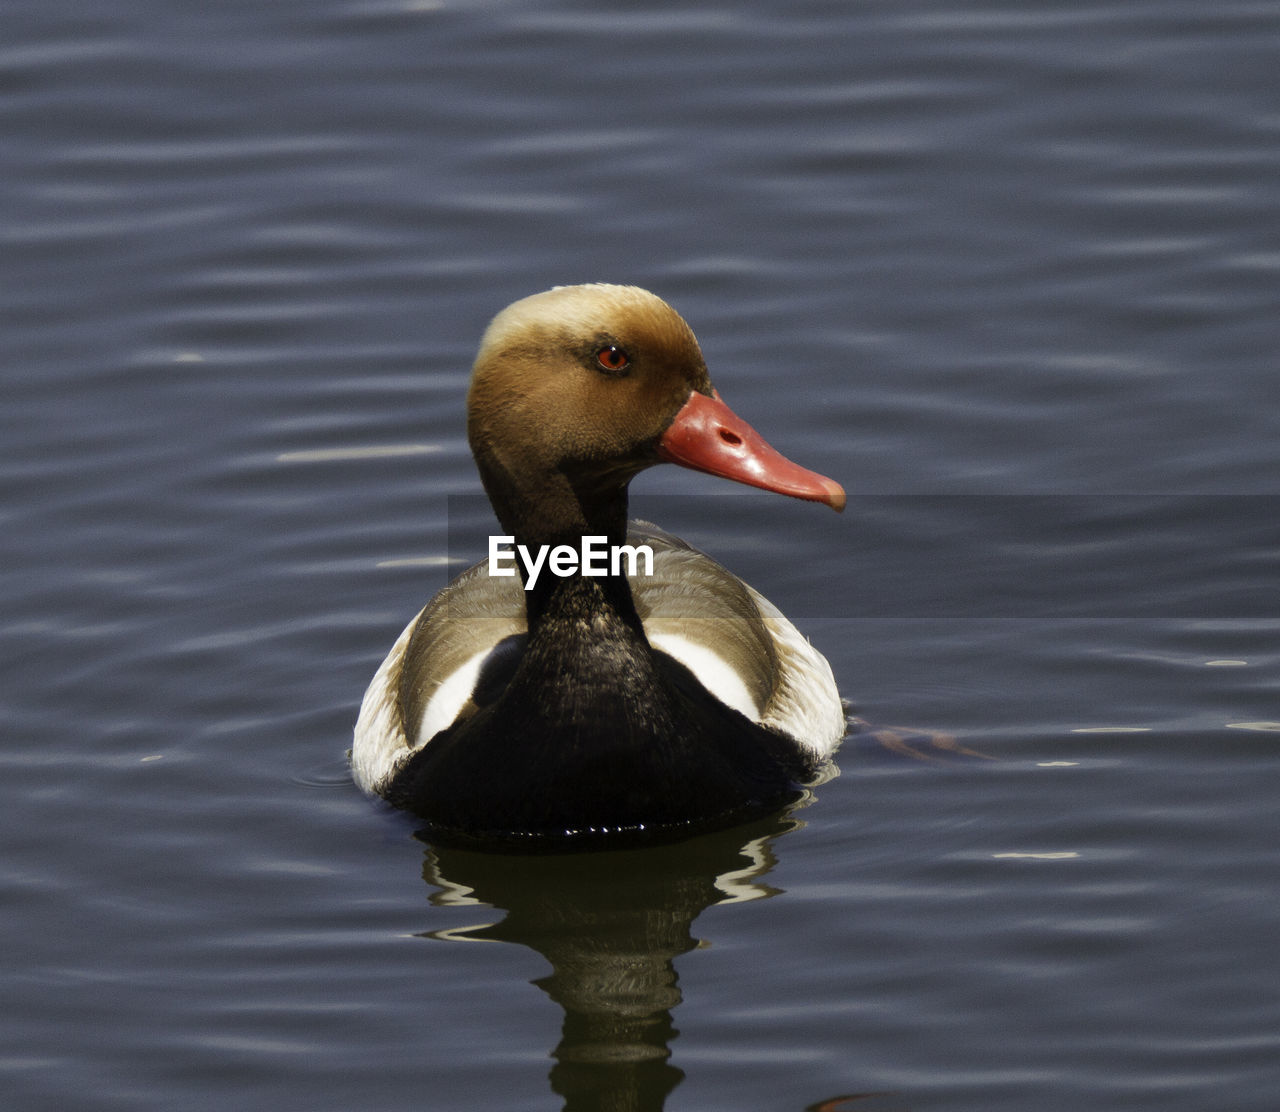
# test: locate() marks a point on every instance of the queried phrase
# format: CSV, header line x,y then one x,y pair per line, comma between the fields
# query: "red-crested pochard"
x,y
598,709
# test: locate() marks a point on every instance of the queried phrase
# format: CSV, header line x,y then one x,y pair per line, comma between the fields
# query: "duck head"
x,y
576,390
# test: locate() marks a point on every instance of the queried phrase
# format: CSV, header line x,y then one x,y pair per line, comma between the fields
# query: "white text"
x,y
597,557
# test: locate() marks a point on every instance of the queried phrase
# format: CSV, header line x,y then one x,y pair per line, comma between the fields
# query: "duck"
x,y
618,704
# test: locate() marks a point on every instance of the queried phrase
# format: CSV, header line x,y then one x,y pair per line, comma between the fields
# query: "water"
x,y
1009,272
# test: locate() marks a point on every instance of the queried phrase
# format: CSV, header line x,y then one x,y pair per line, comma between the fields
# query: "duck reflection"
x,y
611,924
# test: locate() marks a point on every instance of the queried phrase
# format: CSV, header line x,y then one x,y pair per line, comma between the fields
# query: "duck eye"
x,y
613,359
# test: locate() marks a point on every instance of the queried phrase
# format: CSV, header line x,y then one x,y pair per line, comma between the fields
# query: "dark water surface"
x,y
1011,272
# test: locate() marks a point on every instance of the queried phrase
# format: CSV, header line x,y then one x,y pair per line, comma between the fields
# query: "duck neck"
x,y
558,511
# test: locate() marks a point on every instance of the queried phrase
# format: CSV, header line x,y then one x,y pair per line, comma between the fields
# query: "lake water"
x,y
1009,271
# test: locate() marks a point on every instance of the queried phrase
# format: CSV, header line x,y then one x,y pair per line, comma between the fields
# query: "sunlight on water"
x,y
386,451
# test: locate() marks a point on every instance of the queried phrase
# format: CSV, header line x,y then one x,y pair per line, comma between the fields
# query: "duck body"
x,y
593,711
715,712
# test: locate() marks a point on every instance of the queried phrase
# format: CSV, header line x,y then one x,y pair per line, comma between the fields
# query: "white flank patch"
x,y
711,670
450,696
